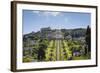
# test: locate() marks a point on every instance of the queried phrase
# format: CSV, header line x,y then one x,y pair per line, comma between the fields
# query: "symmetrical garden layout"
x,y
54,46
58,50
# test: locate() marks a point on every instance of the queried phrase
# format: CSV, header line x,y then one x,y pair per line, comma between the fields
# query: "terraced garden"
x,y
59,50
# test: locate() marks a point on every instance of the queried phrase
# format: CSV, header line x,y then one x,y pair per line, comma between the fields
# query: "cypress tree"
x,y
88,39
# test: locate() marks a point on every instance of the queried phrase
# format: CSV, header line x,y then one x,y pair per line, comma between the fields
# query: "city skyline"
x,y
35,20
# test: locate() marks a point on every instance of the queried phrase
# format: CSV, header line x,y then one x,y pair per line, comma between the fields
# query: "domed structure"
x,y
58,34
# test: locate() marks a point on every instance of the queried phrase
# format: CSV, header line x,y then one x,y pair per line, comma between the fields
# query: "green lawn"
x,y
80,58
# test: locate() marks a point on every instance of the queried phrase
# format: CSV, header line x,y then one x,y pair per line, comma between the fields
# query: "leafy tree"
x,y
27,59
41,51
41,54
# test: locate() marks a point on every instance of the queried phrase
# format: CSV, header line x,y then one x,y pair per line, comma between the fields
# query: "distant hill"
x,y
78,32
74,33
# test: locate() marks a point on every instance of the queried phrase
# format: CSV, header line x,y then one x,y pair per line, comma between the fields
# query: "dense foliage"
x,y
40,46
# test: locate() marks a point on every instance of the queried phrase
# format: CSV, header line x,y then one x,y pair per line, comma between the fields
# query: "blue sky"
x,y
35,20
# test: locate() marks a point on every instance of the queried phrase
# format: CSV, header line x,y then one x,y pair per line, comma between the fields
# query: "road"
x,y
58,47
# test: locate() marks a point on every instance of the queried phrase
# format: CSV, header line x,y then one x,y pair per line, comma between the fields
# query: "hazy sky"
x,y
35,20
